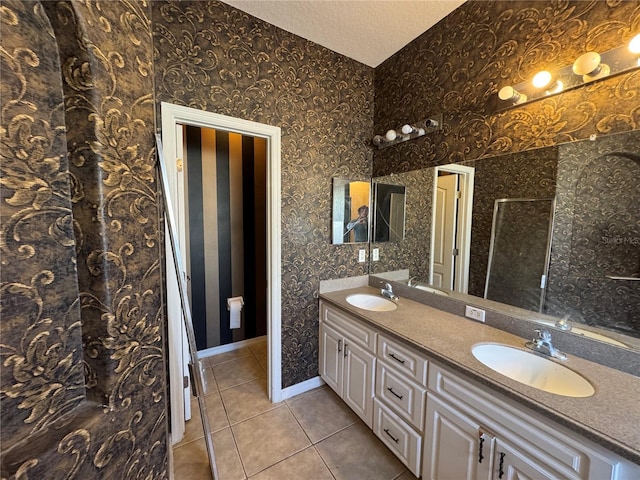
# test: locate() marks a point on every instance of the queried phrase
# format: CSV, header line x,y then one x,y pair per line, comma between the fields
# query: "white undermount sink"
x,y
431,290
533,370
373,303
587,333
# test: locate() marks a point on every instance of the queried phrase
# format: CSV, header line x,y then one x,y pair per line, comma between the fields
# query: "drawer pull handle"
x,y
386,430
391,390
480,456
501,467
396,358
339,346
346,345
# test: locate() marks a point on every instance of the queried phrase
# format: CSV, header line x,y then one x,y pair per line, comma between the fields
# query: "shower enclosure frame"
x,y
545,275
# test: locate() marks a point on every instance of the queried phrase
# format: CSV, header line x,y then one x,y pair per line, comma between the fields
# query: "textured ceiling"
x,y
369,31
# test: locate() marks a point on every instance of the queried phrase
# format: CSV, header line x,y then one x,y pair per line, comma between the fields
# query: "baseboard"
x,y
301,387
230,347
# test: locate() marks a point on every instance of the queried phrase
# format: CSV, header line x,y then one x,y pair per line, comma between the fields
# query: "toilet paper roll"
x,y
234,305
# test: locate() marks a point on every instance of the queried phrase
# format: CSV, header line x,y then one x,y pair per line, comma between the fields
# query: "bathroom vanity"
x,y
410,374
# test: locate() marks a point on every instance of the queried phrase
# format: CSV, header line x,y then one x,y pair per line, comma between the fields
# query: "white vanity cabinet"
x,y
347,360
472,434
443,425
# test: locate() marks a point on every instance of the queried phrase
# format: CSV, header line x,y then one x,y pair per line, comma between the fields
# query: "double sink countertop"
x,y
610,417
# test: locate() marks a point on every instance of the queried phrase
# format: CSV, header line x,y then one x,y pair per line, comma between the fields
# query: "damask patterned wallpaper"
x,y
213,57
82,387
457,65
597,234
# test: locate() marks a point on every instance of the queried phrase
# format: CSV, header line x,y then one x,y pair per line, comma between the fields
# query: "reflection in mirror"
x,y
350,219
451,227
389,202
592,285
519,252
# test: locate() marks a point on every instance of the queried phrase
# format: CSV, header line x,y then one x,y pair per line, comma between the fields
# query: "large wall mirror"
x,y
584,198
350,211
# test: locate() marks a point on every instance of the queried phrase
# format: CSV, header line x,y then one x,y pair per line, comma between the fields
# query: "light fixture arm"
x,y
588,67
409,131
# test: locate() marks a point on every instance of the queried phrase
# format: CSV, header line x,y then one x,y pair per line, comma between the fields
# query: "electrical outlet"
x,y
474,313
362,256
375,254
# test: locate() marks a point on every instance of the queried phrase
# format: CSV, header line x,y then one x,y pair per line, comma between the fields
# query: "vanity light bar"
x,y
588,67
409,132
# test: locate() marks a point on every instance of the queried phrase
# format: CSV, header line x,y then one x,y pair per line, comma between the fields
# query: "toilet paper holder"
x,y
232,300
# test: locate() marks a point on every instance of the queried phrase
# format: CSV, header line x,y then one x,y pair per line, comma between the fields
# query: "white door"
x,y
455,447
513,464
330,361
180,391
445,226
357,379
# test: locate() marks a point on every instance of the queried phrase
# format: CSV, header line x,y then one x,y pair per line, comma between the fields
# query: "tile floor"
x,y
313,436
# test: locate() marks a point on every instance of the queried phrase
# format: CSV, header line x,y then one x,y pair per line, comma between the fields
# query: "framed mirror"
x,y
389,205
350,211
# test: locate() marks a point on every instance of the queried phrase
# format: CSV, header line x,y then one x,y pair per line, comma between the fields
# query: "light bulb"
x,y
391,135
541,79
634,45
421,131
588,65
407,129
510,93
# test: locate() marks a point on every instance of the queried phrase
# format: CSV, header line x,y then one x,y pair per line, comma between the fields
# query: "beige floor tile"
x,y
227,456
192,428
407,476
247,400
191,461
355,452
210,385
322,414
235,372
268,438
216,412
306,465
260,351
229,356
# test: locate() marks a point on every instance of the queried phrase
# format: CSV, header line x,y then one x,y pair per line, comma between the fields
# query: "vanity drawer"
x,y
404,396
403,359
396,434
357,331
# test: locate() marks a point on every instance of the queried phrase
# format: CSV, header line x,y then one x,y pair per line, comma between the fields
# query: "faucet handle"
x,y
543,334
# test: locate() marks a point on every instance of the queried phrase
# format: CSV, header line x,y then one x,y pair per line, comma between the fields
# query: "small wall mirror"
x,y
350,219
389,201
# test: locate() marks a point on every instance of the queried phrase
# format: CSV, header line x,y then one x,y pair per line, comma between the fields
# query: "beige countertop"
x,y
610,417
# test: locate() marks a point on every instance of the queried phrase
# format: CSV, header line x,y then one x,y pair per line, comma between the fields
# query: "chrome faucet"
x,y
543,345
387,292
563,324
410,282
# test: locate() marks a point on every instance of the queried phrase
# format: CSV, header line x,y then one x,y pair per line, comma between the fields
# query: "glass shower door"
x,y
519,251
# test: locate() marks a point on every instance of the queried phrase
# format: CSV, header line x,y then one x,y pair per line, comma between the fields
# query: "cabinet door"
x,y
357,389
513,464
455,447
331,359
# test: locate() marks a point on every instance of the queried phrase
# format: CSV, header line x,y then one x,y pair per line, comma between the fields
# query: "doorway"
x,y
225,229
451,227
174,120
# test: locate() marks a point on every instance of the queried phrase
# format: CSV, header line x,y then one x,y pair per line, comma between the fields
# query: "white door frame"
x,y
465,208
173,115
